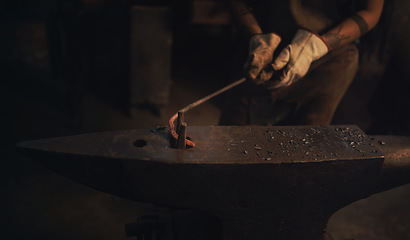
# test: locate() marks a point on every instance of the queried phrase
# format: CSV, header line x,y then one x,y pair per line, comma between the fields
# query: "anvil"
x,y
262,182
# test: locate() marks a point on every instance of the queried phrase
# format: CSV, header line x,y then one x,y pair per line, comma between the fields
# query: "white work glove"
x,y
296,58
261,48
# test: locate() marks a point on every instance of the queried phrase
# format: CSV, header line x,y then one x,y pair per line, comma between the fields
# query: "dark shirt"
x,y
285,17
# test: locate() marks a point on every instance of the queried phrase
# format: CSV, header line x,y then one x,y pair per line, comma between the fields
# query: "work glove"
x,y
261,49
295,59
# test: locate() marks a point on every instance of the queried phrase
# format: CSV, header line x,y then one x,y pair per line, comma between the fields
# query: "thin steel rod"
x,y
181,142
195,104
180,120
206,98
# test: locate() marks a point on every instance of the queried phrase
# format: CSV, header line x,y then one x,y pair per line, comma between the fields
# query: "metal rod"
x,y
181,142
194,104
180,120
206,98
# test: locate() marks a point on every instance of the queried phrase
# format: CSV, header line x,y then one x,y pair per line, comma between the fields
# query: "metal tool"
x,y
180,113
261,182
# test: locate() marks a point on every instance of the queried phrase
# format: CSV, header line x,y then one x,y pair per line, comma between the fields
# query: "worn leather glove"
x,y
295,59
261,48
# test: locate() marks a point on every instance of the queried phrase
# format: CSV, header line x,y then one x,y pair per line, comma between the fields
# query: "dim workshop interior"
x,y
88,90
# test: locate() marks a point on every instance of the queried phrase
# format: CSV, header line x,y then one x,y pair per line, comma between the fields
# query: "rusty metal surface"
x,y
222,145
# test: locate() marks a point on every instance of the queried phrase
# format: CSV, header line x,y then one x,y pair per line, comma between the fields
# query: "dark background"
x,y
65,70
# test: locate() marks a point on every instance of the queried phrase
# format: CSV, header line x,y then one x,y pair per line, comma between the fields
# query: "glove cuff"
x,y
318,45
320,37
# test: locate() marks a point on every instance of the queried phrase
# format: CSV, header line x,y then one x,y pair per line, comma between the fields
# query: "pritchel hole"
x,y
140,143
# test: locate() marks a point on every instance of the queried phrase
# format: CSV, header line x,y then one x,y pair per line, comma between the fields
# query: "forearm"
x,y
244,18
355,26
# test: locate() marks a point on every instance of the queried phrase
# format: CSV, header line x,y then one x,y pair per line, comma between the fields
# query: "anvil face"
x,y
220,145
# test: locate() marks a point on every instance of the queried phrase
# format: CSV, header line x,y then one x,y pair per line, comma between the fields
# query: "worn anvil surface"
x,y
220,145
263,182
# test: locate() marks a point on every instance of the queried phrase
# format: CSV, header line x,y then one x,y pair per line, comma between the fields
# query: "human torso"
x,y
286,16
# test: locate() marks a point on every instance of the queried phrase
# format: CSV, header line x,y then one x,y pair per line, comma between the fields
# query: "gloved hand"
x,y
261,48
296,58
